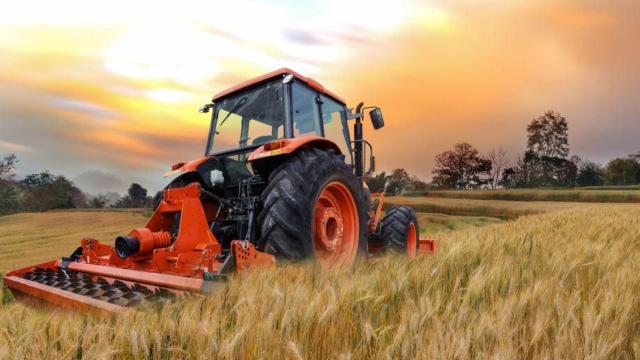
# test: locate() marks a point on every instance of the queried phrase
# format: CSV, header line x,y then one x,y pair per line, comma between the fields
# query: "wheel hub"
x,y
335,228
330,229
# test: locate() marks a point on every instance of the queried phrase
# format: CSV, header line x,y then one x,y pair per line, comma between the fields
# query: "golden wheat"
x,y
558,285
504,209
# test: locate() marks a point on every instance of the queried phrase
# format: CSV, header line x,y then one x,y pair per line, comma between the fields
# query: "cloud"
x,y
302,37
82,107
13,147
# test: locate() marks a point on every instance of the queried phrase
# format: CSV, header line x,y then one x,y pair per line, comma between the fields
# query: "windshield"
x,y
248,118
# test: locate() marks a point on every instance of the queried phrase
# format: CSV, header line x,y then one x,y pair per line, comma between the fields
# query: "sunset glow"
x,y
115,86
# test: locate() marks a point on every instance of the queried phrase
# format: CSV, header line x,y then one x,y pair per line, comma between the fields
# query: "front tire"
x,y
313,208
400,231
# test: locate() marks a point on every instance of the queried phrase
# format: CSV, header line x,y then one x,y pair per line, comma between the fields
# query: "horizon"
x,y
89,90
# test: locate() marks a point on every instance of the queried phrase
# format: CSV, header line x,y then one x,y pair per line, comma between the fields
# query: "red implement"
x,y
150,264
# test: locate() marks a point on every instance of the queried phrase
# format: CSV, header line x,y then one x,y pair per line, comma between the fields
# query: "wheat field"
x,y
612,194
557,285
504,209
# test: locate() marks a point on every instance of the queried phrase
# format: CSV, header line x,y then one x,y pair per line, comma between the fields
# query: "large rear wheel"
x,y
312,208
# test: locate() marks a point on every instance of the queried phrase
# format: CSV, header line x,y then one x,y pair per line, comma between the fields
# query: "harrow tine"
x,y
116,292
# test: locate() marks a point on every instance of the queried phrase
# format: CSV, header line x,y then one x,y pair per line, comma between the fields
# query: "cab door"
x,y
334,125
316,114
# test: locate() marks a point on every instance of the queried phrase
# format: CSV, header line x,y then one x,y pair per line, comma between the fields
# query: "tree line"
x,y
546,162
45,191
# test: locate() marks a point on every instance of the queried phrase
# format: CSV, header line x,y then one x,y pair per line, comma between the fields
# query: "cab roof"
x,y
280,72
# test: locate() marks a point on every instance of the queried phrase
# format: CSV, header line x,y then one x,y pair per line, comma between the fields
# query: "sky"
x,y
107,93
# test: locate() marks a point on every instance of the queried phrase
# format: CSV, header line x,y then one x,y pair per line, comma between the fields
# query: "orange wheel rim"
x,y
335,226
412,240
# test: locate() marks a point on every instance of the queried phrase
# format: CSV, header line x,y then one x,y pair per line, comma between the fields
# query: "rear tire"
x,y
313,208
400,231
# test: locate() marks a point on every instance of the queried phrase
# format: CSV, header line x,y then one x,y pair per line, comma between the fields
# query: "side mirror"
x,y
376,118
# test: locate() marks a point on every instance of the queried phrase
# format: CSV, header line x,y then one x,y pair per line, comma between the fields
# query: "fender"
x,y
194,170
289,146
185,167
268,156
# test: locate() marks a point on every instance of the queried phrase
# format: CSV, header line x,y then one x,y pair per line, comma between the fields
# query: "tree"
x,y
376,183
135,198
461,168
418,185
499,161
398,182
545,161
509,178
565,171
44,191
519,175
8,166
98,202
33,181
622,172
9,193
138,195
590,174
548,135
9,190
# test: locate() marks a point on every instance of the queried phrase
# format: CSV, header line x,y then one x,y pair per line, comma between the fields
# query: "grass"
x,y
595,194
611,187
557,285
32,238
488,208
434,224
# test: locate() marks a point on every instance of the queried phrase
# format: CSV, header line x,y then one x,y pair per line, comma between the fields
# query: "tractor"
x,y
281,180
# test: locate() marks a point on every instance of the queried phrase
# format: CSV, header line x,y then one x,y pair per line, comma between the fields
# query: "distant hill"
x,y
100,182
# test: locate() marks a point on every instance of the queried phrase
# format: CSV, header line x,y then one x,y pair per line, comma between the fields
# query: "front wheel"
x,y
400,231
313,208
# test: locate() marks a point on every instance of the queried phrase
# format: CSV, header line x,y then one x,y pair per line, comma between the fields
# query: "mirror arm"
x,y
205,108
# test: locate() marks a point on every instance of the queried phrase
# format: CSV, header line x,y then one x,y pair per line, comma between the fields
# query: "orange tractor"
x,y
281,179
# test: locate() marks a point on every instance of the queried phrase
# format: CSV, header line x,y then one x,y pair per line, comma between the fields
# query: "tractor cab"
x,y
281,105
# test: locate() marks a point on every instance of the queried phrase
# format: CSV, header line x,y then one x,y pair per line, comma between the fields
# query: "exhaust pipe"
x,y
140,242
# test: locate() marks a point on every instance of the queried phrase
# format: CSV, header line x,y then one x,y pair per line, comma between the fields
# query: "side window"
x,y
335,125
305,110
